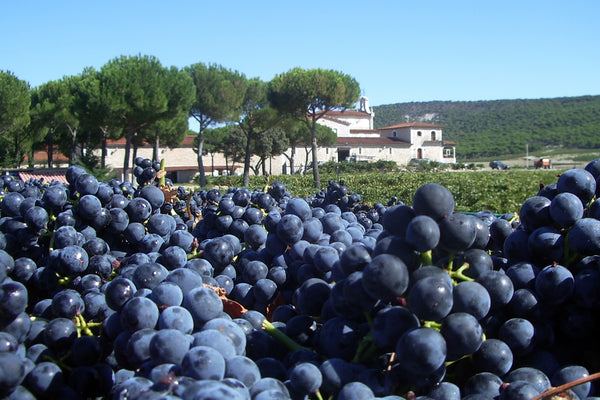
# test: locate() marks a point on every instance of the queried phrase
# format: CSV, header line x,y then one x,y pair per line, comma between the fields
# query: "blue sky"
x,y
398,51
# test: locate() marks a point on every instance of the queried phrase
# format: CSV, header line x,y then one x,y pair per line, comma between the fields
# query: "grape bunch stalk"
x,y
120,290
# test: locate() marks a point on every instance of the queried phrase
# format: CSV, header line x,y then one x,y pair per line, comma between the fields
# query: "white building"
x,y
358,141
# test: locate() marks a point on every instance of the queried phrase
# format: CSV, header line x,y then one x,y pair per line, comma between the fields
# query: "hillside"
x,y
502,127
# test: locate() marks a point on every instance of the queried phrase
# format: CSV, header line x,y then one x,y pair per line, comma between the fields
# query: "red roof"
x,y
348,113
47,176
413,125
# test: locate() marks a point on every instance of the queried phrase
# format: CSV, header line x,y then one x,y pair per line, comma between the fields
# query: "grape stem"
x,y
459,273
427,258
567,386
281,337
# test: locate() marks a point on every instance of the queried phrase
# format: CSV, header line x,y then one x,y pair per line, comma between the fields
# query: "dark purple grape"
x,y
519,335
421,351
518,390
578,181
472,298
67,304
10,205
584,236
554,284
463,332
86,184
430,298
118,291
169,346
571,373
385,277
204,304
535,213
566,209
306,378
13,299
433,200
203,362
499,286
493,356
45,380
397,218
423,233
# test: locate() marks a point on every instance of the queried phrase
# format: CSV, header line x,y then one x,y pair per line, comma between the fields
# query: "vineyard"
x,y
496,191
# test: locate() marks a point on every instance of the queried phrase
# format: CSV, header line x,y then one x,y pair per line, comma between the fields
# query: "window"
x,y
360,150
326,150
419,133
419,153
394,134
432,135
448,152
390,150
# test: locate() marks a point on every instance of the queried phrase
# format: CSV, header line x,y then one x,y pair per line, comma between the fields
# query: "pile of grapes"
x,y
119,291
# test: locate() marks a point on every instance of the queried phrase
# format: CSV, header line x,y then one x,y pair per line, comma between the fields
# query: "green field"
x,y
496,191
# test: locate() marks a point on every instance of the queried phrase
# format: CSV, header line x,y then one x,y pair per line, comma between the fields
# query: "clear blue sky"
x,y
398,51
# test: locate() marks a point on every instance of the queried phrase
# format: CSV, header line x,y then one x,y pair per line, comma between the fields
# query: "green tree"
x,y
51,102
213,143
297,133
15,102
270,143
258,117
172,127
134,88
234,147
219,96
326,137
100,123
308,95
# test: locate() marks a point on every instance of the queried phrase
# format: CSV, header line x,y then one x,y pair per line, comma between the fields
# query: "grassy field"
x,y
496,191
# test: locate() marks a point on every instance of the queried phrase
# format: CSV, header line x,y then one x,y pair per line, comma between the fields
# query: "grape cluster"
x,y
110,290
145,170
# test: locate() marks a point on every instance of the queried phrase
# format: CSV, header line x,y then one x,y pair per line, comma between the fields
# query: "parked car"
x,y
498,165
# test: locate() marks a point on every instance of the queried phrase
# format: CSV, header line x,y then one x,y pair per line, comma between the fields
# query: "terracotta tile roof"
x,y
364,131
47,176
376,141
348,113
413,125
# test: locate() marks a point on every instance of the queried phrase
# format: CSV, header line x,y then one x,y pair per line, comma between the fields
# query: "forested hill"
x,y
499,127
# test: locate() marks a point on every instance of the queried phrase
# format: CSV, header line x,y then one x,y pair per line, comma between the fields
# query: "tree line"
x,y
137,99
501,127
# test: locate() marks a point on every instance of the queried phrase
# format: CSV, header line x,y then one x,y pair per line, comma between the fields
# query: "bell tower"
x,y
364,107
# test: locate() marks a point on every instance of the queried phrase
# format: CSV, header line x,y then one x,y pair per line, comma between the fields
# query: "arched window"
x,y
419,133
419,153
433,135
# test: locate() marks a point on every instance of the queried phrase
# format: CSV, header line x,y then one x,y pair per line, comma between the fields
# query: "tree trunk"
x,y
73,147
247,158
126,157
199,155
155,150
17,152
292,159
316,178
50,148
264,166
104,149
